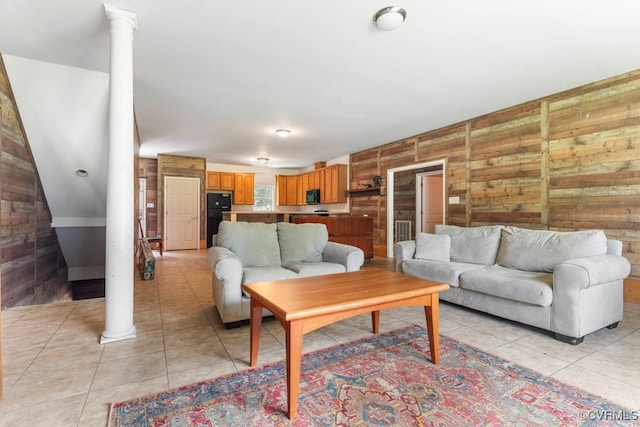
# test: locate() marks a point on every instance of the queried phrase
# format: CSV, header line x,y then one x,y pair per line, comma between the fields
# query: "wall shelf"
x,y
364,192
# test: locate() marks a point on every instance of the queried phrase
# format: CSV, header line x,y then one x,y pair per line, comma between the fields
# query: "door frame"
x,y
390,191
420,194
166,205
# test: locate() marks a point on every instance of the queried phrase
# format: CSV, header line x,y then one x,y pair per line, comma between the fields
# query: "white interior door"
x,y
181,213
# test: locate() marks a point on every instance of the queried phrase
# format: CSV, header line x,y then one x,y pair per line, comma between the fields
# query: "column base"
x,y
107,337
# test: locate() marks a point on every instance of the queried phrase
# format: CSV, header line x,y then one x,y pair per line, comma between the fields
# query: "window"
x,y
263,198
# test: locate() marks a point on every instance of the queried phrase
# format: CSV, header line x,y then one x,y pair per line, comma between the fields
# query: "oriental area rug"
x,y
384,380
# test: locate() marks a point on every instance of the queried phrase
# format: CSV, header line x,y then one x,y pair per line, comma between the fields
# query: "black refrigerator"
x,y
216,204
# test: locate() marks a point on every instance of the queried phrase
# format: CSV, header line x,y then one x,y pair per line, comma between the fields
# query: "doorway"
x,y
429,201
182,213
438,164
142,205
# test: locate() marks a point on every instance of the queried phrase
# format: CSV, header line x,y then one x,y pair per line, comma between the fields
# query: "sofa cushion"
x,y
264,274
305,269
525,286
542,250
438,271
478,245
255,243
434,247
301,242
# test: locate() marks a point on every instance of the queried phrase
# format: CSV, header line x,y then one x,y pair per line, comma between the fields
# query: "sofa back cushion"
x,y
255,243
477,245
433,247
542,250
301,242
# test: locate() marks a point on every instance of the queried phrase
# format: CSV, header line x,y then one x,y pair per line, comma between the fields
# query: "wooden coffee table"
x,y
304,304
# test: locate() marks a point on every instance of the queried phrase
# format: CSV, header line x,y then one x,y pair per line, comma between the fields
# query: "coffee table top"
x,y
304,297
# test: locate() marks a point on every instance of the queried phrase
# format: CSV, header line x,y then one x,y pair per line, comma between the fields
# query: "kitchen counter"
x,y
273,216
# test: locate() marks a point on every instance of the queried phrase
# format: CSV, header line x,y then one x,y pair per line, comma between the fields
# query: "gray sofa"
x,y
569,283
248,252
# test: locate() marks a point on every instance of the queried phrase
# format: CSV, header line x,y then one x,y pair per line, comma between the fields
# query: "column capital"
x,y
115,13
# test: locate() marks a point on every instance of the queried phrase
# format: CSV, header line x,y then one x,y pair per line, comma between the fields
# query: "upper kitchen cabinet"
x,y
220,181
287,186
243,189
333,184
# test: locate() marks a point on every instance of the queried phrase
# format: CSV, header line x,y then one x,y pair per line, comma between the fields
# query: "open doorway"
x,y
429,201
437,166
142,206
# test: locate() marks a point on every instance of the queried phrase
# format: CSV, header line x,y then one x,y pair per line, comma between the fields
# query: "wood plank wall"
x,y
149,169
196,167
569,161
32,265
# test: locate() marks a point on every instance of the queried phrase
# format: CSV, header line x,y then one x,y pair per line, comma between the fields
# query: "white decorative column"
x,y
119,262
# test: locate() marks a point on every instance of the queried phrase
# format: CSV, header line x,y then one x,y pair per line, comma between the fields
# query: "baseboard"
x,y
632,290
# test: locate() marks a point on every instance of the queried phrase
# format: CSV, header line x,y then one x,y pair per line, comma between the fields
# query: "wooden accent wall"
x,y
32,265
569,161
195,167
148,169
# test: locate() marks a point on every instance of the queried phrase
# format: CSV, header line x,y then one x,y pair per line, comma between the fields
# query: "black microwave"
x,y
313,197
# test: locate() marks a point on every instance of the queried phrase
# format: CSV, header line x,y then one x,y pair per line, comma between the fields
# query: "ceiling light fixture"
x,y
283,132
82,173
263,160
389,18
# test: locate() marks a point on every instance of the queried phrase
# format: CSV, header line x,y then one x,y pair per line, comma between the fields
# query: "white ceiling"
x,y
215,79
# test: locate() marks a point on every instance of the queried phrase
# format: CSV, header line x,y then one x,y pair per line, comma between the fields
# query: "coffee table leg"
x,y
433,318
294,360
255,324
375,321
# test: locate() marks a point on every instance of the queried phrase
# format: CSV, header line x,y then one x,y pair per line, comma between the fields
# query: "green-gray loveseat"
x,y
570,283
248,252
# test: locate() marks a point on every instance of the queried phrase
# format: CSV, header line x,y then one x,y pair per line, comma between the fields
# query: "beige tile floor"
x,y
55,372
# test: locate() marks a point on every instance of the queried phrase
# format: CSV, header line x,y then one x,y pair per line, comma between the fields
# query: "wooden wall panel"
x,y
148,169
32,265
565,162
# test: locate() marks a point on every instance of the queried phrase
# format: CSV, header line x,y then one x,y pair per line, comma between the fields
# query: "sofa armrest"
x,y
588,294
226,283
403,251
582,273
350,256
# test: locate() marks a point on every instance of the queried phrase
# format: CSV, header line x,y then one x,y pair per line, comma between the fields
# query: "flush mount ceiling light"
x,y
389,18
283,132
82,173
263,160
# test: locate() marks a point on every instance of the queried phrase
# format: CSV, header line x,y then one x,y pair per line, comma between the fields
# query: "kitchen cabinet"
x,y
330,180
287,190
333,184
220,180
243,189
213,180
227,180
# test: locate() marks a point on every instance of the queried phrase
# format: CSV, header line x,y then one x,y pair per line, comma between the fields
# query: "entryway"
x,y
425,218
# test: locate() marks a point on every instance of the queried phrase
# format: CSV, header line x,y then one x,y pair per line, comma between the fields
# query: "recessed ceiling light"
x,y
82,173
283,132
389,18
